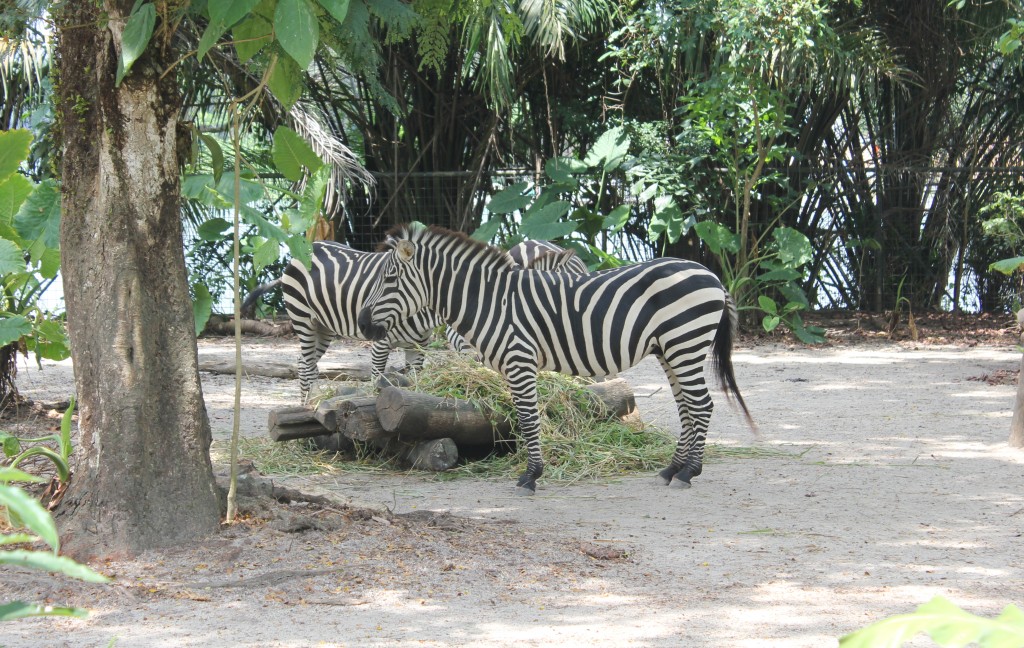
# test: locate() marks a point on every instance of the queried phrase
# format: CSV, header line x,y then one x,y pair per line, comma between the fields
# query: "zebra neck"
x,y
463,296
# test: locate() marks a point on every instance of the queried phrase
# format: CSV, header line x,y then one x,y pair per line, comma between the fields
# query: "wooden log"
x,y
417,416
328,412
359,420
289,423
616,395
286,370
336,442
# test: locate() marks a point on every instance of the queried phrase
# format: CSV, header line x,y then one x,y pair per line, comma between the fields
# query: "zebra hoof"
x,y
526,490
679,483
665,476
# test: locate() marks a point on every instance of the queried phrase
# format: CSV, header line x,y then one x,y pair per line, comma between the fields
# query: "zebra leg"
x,y
694,403
313,343
379,353
523,385
414,356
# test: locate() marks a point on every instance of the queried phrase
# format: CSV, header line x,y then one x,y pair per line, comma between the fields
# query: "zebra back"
x,y
545,255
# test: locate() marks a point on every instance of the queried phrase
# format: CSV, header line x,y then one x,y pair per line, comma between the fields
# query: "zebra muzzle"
x,y
372,330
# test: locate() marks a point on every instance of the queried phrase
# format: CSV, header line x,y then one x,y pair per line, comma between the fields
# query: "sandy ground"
x,y
896,485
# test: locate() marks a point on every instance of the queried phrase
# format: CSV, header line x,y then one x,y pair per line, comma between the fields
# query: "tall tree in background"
x,y
143,476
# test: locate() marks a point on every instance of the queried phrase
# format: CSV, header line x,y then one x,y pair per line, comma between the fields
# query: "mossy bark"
x,y
142,477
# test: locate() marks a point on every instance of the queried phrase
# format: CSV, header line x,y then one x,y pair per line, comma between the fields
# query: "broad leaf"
x,y
31,513
297,30
486,232
286,81
545,224
947,625
770,323
49,263
13,328
768,305
1008,266
51,563
264,228
229,12
13,474
616,219
564,169
137,32
668,220
12,259
780,274
214,229
794,248
313,196
609,150
202,307
301,249
216,155
509,199
251,35
249,190
39,216
291,153
19,610
337,8
14,146
265,254
49,340
13,192
717,237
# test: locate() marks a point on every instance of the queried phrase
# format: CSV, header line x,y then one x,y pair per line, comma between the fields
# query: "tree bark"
x,y
1017,423
143,477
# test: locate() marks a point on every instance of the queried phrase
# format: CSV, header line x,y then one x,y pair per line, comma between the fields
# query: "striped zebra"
x,y
323,303
545,255
596,324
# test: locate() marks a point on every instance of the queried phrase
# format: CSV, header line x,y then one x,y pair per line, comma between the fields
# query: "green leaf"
x,y
49,340
509,199
616,219
767,304
251,35
770,322
216,155
264,228
313,197
31,513
202,307
486,232
39,216
13,192
65,428
300,248
11,474
564,170
229,12
291,153
266,253
137,32
545,223
249,190
297,30
1008,266
286,81
14,147
13,328
947,624
11,444
17,538
49,263
214,229
609,150
19,610
12,258
793,247
49,562
337,8
668,220
717,237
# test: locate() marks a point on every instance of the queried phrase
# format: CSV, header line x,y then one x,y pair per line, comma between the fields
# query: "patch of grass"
x,y
284,458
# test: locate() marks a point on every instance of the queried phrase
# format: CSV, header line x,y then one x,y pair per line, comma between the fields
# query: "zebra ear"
x,y
405,251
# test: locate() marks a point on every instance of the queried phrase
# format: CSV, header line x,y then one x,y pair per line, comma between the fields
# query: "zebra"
x,y
545,255
323,303
524,321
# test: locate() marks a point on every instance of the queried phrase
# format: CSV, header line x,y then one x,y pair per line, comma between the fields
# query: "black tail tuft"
x,y
721,356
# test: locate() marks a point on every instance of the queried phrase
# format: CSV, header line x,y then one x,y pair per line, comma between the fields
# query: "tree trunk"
x,y
143,477
1017,423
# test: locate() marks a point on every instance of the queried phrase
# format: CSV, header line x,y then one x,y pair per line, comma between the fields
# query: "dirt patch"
x,y
881,478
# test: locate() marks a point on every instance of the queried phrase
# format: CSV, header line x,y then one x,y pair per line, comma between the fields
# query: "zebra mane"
x,y
434,236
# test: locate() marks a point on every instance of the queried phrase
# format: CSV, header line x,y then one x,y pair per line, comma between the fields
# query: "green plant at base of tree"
x,y
946,624
31,523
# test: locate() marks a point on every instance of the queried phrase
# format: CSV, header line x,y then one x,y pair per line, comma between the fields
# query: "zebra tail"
x,y
249,305
721,356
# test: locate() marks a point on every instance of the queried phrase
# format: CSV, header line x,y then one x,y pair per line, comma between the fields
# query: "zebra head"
x,y
396,296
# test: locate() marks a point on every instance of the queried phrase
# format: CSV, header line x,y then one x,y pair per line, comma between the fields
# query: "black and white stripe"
x,y
525,321
545,255
323,303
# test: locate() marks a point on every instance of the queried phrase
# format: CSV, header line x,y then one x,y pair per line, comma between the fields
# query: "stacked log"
x,y
421,430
